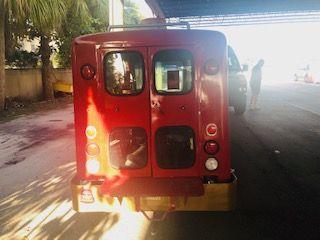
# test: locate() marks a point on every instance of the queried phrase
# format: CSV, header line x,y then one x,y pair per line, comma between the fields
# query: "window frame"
x,y
143,73
232,55
192,73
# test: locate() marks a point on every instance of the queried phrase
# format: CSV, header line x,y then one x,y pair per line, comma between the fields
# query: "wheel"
x,y
240,105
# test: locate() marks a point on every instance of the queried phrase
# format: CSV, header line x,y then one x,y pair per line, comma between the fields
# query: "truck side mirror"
x,y
245,67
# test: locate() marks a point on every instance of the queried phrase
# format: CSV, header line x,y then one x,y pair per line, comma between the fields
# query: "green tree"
x,y
44,18
131,13
74,26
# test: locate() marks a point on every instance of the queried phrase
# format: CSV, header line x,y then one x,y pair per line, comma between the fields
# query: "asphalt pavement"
x,y
276,155
275,152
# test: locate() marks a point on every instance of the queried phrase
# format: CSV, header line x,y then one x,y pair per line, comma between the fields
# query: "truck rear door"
x,y
127,110
174,112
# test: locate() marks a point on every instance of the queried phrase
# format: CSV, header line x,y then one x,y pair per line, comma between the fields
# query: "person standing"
x,y
255,84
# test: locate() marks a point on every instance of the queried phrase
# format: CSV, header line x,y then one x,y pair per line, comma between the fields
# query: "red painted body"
x,y
206,103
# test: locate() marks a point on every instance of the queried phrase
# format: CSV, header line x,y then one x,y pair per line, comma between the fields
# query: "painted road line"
x,y
303,108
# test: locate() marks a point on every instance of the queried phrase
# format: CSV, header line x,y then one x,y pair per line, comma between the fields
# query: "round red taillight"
x,y
87,72
211,147
211,67
212,129
92,149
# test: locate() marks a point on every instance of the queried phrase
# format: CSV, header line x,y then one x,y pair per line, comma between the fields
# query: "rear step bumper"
x,y
88,197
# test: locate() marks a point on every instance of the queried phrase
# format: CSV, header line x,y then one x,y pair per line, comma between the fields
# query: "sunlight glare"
x,y
283,46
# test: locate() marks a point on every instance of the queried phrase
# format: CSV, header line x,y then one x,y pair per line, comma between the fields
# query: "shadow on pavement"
x,y
42,210
276,199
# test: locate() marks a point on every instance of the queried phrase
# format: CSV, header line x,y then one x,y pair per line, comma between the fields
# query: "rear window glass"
x,y
173,71
175,147
128,148
124,73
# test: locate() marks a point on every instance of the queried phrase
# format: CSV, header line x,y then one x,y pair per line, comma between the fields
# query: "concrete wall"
x,y
27,84
63,75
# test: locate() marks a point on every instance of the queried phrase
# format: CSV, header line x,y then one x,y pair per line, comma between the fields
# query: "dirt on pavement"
x,y
16,107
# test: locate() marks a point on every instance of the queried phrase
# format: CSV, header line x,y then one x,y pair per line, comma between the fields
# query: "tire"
x,y
240,105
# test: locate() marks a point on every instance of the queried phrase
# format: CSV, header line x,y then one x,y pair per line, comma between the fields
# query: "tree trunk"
x,y
2,57
46,68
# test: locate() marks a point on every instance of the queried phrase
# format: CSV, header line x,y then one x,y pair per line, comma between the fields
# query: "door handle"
x,y
156,105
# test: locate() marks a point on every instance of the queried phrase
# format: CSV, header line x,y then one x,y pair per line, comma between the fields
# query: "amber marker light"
x,y
92,150
91,132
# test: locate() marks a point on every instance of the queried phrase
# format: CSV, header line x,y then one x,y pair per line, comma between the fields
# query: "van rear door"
x,y
174,112
126,102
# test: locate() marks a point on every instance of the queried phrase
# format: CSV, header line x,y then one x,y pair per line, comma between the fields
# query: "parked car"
x,y
237,83
309,73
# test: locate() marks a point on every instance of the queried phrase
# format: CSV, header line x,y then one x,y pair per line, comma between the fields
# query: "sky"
x,y
144,8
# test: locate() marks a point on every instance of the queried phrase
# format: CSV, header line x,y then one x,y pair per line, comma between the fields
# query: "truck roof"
x,y
154,37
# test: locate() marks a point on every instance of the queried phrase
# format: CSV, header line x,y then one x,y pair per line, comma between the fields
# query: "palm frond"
x,y
46,15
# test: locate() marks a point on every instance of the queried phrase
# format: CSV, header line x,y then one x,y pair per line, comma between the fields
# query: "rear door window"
x,y
175,147
128,148
124,73
173,71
